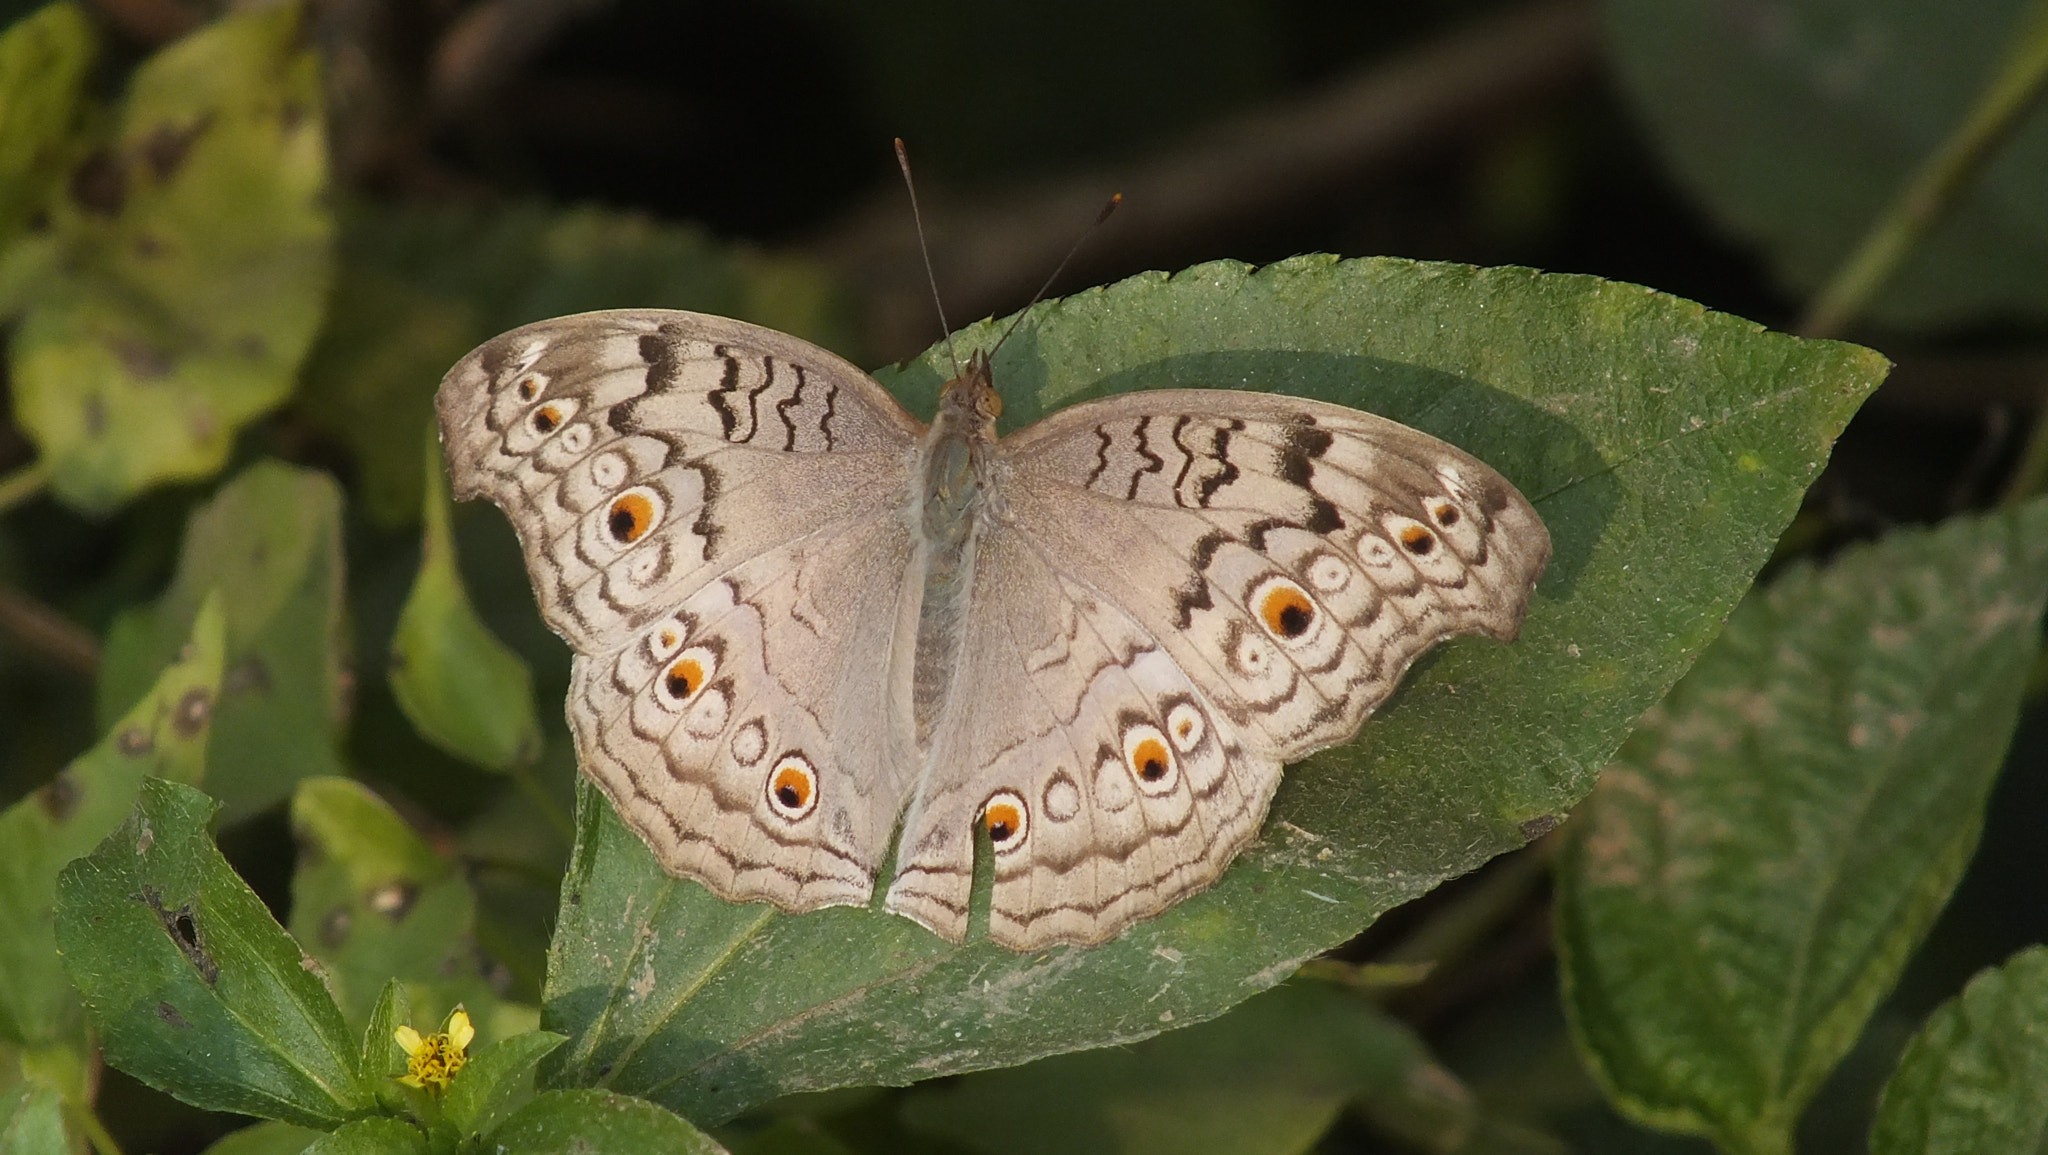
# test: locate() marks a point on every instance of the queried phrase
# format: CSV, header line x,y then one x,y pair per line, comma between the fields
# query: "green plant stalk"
x,y
96,1132
2030,475
23,483
1933,188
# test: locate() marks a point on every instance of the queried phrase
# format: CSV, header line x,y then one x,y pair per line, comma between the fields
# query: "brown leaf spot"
x,y
184,930
134,742
100,184
1540,825
60,798
334,928
248,676
394,899
143,361
194,708
165,148
169,1014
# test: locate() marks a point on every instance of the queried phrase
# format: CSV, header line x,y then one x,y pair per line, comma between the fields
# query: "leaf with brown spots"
x,y
1770,846
270,542
195,256
373,903
44,62
73,813
192,986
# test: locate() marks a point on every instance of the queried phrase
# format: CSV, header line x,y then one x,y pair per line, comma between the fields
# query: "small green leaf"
x,y
496,1081
44,61
1266,1079
195,265
32,1123
270,542
373,903
1797,124
266,1138
572,1122
464,690
1665,446
382,1060
1976,1077
164,734
1772,843
194,988
373,1137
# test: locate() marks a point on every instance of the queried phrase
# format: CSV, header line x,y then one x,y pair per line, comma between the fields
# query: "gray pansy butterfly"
x,y
809,630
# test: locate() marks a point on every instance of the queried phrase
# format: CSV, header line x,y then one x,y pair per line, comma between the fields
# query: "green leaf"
x,y
1775,839
194,988
1665,447
44,61
32,1123
1796,125
464,690
381,1061
1267,1079
1976,1077
267,1138
164,734
496,1081
373,902
270,542
193,269
373,1137
571,1122
418,288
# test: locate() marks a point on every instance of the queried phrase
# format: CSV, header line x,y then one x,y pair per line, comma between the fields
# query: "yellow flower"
x,y
431,1062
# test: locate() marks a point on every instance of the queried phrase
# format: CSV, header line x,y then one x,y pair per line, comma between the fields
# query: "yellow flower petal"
x,y
409,1039
460,1033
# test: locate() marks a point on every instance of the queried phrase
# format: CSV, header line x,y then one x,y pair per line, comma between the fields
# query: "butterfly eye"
x,y
793,787
1150,760
1006,819
632,514
1283,608
1418,540
688,673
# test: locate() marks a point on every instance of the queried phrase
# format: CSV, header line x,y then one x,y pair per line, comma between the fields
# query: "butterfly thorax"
x,y
954,461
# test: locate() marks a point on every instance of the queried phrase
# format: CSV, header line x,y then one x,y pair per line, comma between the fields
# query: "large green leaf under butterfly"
x,y
1665,447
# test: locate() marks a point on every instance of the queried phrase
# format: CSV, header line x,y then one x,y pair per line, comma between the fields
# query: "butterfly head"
x,y
971,399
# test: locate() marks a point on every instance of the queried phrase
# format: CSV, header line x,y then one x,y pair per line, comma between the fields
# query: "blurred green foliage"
x,y
227,306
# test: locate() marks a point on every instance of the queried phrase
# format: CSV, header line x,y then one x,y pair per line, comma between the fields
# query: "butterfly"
x,y
815,636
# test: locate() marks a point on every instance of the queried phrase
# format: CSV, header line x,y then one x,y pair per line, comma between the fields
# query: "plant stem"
x,y
1934,186
2030,475
96,1132
23,484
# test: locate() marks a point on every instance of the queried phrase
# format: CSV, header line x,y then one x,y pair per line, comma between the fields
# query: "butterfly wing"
x,y
711,514
1248,576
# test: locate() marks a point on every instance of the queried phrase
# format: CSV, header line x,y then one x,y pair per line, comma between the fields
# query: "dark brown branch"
x,y
989,253
44,631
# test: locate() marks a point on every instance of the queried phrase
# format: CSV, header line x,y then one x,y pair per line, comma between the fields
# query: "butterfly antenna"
x,y
1100,217
931,278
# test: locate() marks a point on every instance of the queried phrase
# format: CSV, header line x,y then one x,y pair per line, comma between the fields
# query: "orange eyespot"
x,y
668,639
1418,540
632,515
1005,819
1286,610
546,418
1446,515
1150,760
792,787
529,388
684,678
